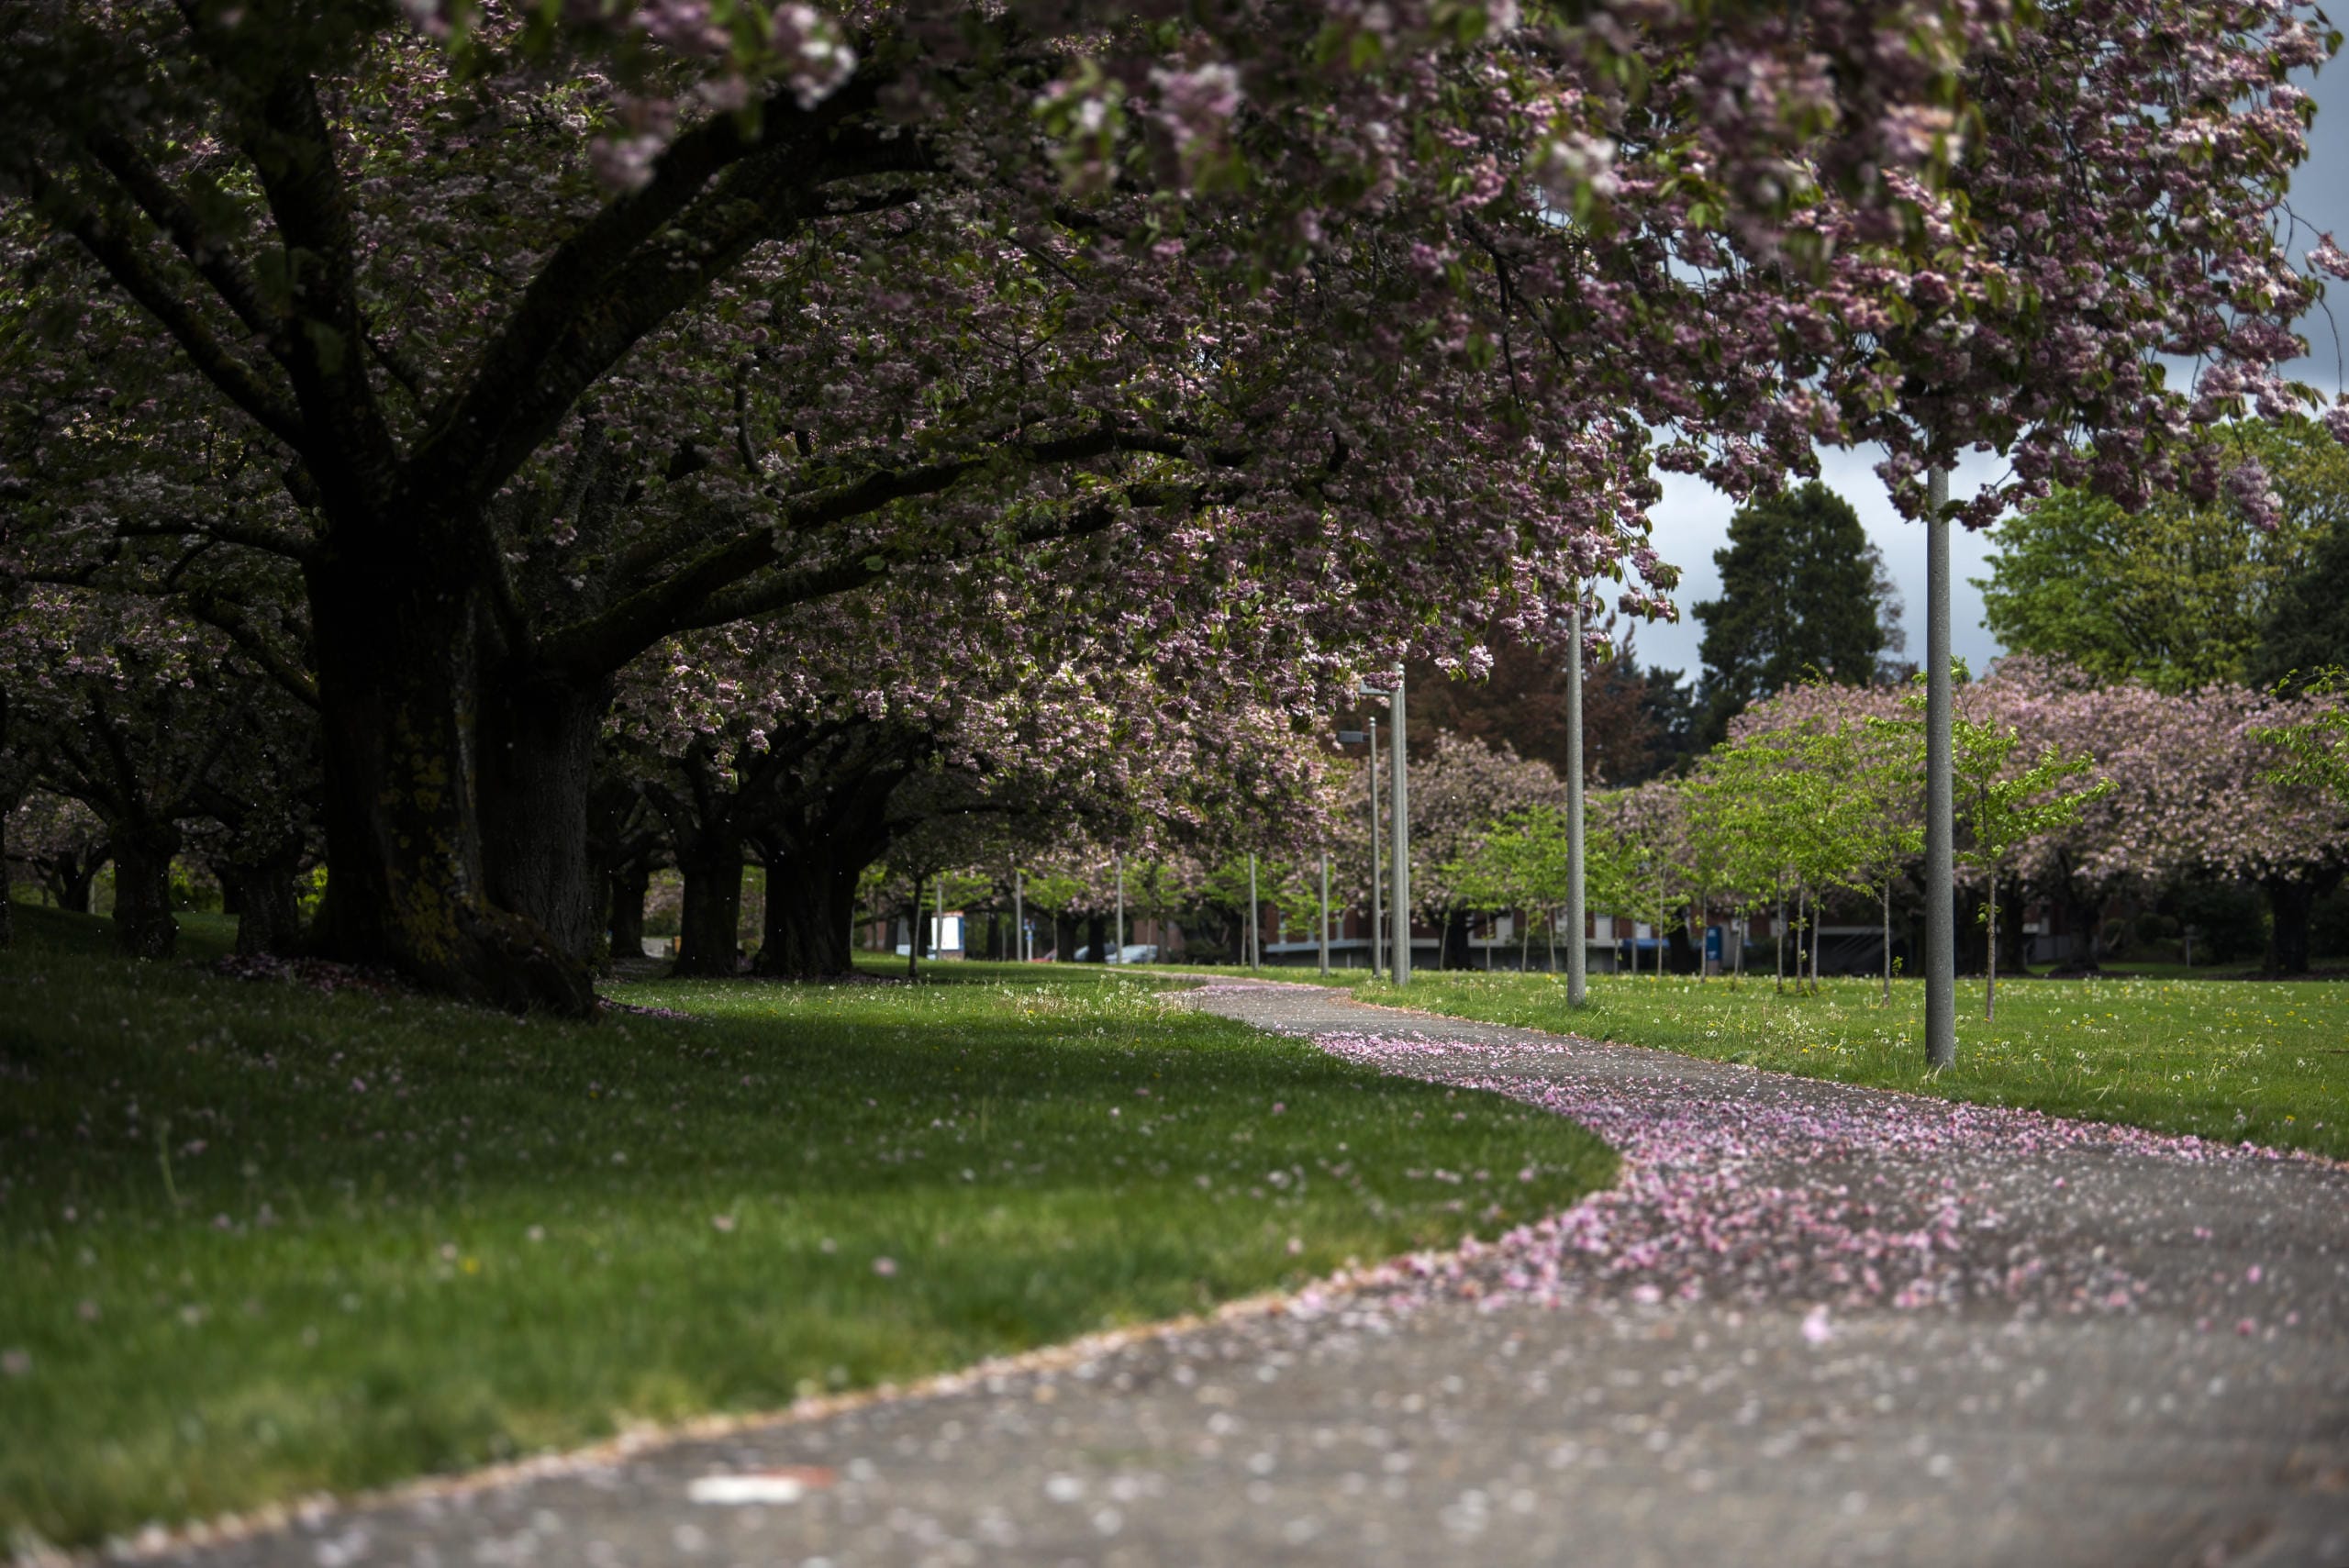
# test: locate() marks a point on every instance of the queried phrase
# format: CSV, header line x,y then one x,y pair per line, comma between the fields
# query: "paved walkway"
x,y
1813,1325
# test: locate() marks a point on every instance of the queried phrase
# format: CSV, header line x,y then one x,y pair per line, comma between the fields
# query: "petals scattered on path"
x,y
1739,1187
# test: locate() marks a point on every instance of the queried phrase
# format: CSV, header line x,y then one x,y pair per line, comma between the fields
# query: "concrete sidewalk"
x,y
1813,1325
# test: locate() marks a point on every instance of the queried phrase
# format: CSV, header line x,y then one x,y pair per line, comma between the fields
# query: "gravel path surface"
x,y
1813,1324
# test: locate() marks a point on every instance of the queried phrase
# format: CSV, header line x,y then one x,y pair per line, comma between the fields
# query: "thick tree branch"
x,y
402,370
292,150
123,263
714,195
744,447
225,531
215,264
225,616
654,611
1090,514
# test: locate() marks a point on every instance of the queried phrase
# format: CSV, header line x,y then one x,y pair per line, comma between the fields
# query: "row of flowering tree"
x,y
819,745
2067,791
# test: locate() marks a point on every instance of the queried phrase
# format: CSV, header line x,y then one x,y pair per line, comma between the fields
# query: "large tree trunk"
x,y
269,910
628,887
1097,936
710,926
2290,902
1453,950
538,736
811,908
397,632
143,926
70,880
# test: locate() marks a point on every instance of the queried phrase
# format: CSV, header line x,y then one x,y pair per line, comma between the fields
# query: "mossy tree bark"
x,y
539,743
629,884
400,645
710,920
811,905
2292,901
143,926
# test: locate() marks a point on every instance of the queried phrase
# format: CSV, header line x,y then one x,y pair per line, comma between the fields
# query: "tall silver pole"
x,y
1577,960
1020,915
1377,872
1325,911
1397,744
1255,918
1940,883
1122,911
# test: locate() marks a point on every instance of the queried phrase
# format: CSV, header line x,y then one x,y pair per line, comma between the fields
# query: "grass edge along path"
x,y
2226,1059
258,1242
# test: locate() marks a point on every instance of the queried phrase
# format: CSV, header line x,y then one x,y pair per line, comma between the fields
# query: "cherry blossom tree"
x,y
150,720
569,338
62,842
2181,784
910,716
2213,794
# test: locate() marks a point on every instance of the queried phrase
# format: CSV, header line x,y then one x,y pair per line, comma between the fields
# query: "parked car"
x,y
1138,953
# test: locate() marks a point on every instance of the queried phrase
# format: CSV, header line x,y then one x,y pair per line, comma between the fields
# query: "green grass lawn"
x,y
2226,1059
203,935
257,1242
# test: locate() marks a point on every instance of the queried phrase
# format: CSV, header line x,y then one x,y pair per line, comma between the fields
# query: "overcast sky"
x,y
1692,520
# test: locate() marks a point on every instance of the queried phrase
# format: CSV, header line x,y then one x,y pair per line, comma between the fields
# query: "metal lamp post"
x,y
1577,960
1122,911
1325,911
1397,744
1941,882
1377,869
1020,915
1255,918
